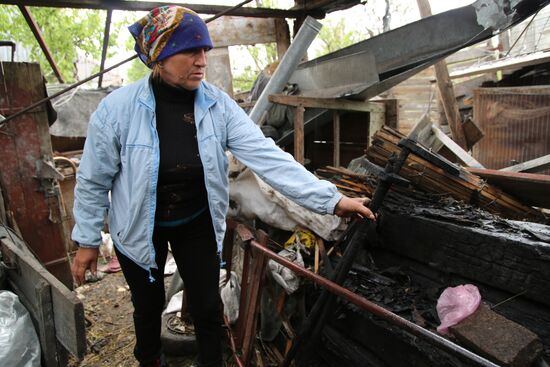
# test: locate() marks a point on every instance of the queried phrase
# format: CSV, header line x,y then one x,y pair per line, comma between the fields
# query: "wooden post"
x,y
299,134
446,89
282,37
376,122
336,138
254,293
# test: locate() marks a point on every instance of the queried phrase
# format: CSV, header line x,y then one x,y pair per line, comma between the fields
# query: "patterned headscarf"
x,y
168,30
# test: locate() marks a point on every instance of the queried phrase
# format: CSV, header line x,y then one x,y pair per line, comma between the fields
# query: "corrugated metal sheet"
x,y
516,122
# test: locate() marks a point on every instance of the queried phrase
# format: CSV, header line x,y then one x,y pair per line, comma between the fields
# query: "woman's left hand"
x,y
348,207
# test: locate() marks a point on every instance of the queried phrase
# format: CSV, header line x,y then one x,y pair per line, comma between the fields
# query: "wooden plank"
x,y
472,132
533,165
455,148
327,103
148,5
529,187
24,273
445,87
392,112
503,64
299,134
376,122
254,294
219,70
471,53
231,31
467,187
336,134
46,330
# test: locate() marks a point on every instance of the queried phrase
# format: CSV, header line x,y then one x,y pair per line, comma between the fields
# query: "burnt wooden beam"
x,y
105,45
148,5
299,134
38,35
510,256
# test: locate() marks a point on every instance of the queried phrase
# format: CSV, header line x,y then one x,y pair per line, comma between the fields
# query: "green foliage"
x,y
334,36
67,32
137,71
243,82
261,55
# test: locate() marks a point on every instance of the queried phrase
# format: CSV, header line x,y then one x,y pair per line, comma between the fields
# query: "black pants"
x,y
194,248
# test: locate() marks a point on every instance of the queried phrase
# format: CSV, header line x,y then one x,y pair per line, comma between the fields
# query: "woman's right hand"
x,y
85,258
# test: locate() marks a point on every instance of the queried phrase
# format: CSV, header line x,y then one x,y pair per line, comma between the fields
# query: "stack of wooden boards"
x,y
466,186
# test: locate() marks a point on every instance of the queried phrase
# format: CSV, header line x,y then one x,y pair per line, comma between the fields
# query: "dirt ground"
x,y
109,325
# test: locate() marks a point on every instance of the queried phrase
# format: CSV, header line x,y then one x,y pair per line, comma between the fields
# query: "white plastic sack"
x,y
455,304
230,292
175,303
19,345
106,249
285,277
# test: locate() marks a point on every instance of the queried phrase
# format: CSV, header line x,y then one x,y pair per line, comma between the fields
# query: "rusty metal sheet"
x,y
516,123
25,155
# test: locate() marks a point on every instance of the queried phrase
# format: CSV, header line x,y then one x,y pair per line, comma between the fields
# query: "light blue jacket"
x,y
122,153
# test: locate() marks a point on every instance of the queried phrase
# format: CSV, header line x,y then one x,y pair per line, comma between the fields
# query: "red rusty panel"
x,y
516,123
24,141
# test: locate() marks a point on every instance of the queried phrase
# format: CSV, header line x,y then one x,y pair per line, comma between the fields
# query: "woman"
x,y
159,146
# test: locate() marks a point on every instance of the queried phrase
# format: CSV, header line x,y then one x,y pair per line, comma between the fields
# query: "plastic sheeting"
x,y
19,345
252,198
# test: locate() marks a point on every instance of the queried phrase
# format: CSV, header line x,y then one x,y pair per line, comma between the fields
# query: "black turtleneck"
x,y
181,192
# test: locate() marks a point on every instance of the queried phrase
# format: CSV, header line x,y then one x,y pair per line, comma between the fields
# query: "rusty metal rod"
x,y
106,34
222,13
43,45
375,309
232,342
101,72
44,100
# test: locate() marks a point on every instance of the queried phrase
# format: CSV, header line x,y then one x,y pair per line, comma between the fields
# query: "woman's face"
x,y
185,69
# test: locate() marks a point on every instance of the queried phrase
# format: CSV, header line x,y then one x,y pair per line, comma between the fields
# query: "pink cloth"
x,y
455,304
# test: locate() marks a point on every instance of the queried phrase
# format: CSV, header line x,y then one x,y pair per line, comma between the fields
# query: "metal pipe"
x,y
287,65
375,309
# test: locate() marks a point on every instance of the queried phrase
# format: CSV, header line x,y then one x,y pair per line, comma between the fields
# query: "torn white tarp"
x,y
253,198
283,275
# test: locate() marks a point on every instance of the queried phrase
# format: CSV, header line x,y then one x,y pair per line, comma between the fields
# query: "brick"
x,y
498,339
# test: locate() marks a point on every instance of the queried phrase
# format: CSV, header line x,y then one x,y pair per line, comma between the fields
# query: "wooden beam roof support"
x,y
148,5
328,103
105,45
446,91
38,35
